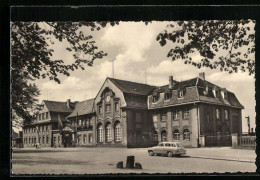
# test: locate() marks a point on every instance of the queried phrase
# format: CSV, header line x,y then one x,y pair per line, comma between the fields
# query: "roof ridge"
x,y
131,81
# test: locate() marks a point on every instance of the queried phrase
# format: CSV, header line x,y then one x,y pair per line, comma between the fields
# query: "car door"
x,y
158,149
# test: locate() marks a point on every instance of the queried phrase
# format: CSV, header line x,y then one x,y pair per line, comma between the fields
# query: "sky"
x,y
134,49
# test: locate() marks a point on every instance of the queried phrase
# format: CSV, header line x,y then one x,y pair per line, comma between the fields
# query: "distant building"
x,y
129,114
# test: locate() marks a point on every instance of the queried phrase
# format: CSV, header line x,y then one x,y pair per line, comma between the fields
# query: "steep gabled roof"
x,y
132,87
82,108
57,106
194,93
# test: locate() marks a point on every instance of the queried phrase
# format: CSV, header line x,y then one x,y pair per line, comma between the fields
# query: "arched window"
x,y
108,132
186,134
100,133
155,136
164,136
176,135
118,132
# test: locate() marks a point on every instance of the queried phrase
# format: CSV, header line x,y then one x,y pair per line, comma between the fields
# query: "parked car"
x,y
167,148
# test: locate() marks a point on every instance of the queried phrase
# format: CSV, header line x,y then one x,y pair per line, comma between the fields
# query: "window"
x,y
167,144
164,116
217,113
40,117
167,96
40,140
100,109
118,132
208,117
29,140
79,122
108,107
116,106
226,114
217,93
47,115
84,122
43,116
173,145
180,93
100,133
160,144
47,140
90,138
58,139
138,118
84,138
176,135
54,140
43,140
164,136
108,133
176,114
155,136
154,99
225,95
186,114
186,134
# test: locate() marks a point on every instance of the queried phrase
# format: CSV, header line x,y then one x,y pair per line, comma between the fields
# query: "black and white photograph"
x,y
120,97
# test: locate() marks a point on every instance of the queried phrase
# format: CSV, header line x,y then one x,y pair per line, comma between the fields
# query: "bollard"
x,y
130,162
138,166
119,164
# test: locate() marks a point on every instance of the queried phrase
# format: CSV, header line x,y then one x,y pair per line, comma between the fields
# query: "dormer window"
x,y
154,99
167,96
217,93
225,95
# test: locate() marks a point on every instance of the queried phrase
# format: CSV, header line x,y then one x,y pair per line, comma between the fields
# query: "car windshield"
x,y
179,145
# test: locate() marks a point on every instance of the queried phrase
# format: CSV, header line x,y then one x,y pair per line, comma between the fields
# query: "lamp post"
x,y
248,124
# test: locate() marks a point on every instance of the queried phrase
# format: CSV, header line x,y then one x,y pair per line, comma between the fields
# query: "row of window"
x,y
167,96
43,116
175,115
86,139
42,128
32,140
108,108
218,114
108,133
82,122
176,135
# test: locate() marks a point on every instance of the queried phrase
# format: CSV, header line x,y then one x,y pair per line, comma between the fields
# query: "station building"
x,y
129,114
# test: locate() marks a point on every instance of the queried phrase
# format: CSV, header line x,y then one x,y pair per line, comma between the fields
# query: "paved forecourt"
x,y
103,160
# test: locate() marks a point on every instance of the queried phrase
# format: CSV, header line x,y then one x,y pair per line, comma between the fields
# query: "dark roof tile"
x,y
82,108
56,106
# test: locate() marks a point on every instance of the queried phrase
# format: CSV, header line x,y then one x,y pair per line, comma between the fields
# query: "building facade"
x,y
130,114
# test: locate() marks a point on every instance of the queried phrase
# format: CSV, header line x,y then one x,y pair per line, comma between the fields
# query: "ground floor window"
x,y
164,136
118,132
176,135
186,134
90,138
54,140
47,140
108,133
40,140
43,140
85,139
100,133
155,136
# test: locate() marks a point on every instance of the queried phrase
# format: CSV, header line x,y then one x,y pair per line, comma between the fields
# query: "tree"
x,y
227,45
31,57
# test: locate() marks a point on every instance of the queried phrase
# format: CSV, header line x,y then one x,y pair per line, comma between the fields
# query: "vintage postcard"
x,y
119,97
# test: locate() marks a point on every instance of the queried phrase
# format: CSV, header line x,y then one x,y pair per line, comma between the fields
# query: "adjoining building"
x,y
129,114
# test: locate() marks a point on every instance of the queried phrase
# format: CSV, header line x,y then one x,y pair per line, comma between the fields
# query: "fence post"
x,y
234,140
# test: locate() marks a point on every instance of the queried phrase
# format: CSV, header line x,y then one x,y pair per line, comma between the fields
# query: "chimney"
x,y
170,82
202,76
68,103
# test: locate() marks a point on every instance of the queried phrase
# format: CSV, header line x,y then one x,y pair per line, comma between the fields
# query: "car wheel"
x,y
169,154
151,153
